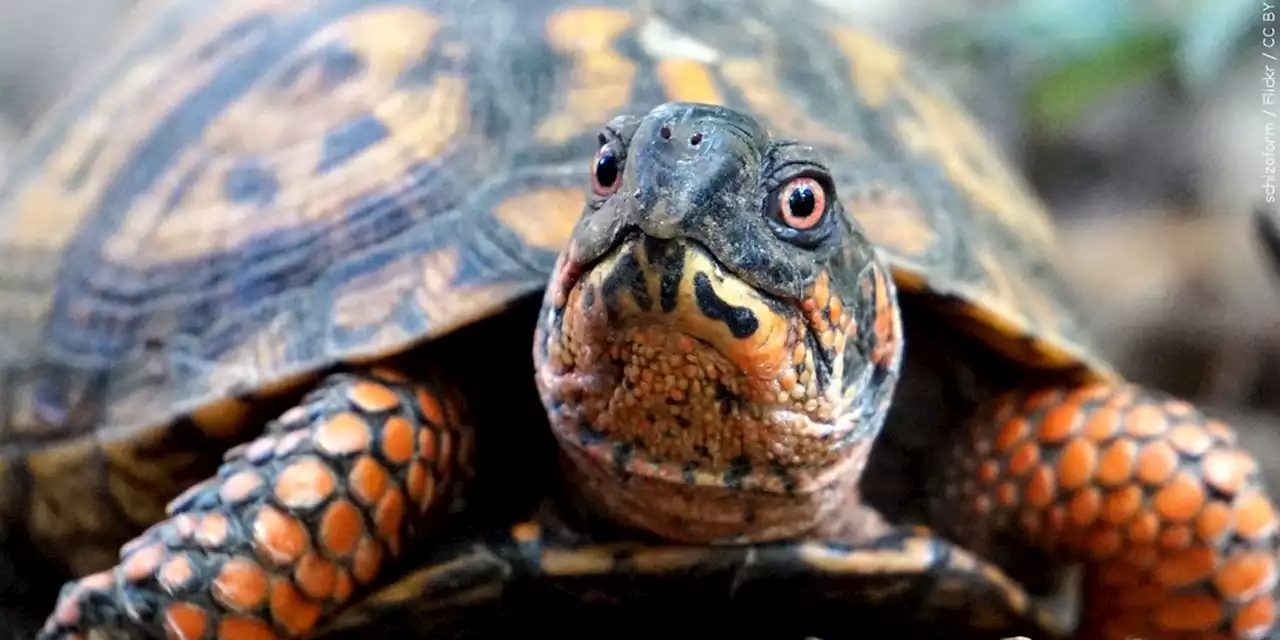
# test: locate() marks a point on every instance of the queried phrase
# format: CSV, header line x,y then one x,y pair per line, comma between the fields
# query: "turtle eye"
x,y
801,203
606,171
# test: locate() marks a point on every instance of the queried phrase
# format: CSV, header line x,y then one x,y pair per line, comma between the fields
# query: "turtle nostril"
x,y
695,139
665,132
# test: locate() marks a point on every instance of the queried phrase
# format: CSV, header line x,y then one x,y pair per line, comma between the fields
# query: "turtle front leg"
x,y
1167,512
293,527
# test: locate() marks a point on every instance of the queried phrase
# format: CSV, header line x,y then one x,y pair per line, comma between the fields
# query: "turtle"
x,y
331,317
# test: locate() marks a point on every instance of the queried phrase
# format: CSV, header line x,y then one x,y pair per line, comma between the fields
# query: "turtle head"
x,y
717,321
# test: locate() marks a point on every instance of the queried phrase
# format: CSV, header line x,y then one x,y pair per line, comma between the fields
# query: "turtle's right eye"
x,y
606,171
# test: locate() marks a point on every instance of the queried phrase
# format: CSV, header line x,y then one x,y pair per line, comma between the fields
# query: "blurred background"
x,y
1140,122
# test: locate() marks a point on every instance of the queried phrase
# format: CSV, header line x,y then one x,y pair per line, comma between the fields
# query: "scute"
x,y
954,219
246,193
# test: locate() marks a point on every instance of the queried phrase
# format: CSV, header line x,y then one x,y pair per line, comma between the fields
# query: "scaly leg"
x,y
294,526
1167,512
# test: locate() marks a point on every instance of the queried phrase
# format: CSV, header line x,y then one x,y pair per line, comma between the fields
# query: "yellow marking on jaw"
x,y
688,81
601,79
759,87
762,355
544,218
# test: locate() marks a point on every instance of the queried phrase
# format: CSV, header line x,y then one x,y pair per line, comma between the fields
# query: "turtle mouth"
x,y
661,362
678,285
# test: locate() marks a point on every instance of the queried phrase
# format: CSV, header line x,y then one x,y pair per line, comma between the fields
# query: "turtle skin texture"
x,y
801,359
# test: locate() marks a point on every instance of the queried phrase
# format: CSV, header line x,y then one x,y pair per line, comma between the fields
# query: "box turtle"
x,y
331,316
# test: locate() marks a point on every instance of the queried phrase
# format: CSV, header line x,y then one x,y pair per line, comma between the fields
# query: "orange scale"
x,y
1227,471
1014,431
1186,568
305,484
315,576
185,621
430,408
1059,423
1076,464
1041,488
1255,618
143,563
212,531
390,514
1007,495
240,487
184,526
291,610
1246,575
1156,463
367,562
1214,522
1180,499
1176,537
1025,457
343,434
368,480
1103,424
1189,613
1190,439
1041,400
1255,516
416,483
426,444
1146,421
1116,465
241,585
343,587
1085,507
177,574
279,537
397,440
1144,527
1120,506
245,628
372,397
341,527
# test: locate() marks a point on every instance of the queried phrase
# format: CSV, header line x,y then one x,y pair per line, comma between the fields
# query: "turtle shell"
x,y
243,193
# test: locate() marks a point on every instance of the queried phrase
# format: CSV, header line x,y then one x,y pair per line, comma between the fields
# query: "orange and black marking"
x,y
716,332
1161,502
294,526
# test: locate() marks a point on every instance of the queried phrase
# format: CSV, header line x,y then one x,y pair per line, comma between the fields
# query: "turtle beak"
x,y
677,284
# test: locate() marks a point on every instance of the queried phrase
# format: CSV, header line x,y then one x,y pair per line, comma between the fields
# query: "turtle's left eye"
x,y
802,203
606,171
799,210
